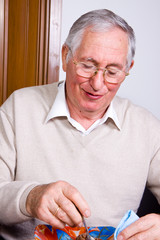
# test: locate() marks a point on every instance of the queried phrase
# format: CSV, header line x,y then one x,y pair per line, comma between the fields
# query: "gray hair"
x,y
99,21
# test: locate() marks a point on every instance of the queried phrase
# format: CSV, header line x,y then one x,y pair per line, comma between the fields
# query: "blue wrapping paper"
x,y
128,218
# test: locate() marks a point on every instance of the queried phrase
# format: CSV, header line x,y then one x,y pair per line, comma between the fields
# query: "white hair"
x,y
101,20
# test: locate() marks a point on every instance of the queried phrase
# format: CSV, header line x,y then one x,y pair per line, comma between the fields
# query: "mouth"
x,y
93,96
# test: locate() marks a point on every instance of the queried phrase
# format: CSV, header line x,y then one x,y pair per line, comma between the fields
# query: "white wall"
x,y
143,85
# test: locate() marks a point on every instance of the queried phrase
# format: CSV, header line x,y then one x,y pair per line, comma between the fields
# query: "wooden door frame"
x,y
48,43
3,48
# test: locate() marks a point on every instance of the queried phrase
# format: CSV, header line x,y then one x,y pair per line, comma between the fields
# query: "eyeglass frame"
x,y
97,69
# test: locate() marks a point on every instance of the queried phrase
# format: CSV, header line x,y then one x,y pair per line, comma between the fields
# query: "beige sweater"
x,y
110,167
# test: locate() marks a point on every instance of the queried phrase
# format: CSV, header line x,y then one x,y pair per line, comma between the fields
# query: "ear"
x,y
132,63
64,56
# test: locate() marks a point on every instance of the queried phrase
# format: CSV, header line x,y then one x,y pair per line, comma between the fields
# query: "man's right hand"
x,y
56,204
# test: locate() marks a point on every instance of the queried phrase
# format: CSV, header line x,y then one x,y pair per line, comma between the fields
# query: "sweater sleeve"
x,y
153,182
154,175
13,193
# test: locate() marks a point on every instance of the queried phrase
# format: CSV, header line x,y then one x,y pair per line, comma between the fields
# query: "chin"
x,y
90,108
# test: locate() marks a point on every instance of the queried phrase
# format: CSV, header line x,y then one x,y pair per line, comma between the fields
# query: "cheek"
x,y
73,83
71,77
113,87
77,82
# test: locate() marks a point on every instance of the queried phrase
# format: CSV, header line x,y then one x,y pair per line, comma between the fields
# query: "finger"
x,y
142,225
46,215
75,196
61,215
57,212
68,212
55,222
68,198
151,233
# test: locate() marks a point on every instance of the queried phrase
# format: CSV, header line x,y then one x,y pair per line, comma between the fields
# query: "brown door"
x,y
29,43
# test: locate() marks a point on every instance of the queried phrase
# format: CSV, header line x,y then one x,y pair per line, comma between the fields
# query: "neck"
x,y
85,118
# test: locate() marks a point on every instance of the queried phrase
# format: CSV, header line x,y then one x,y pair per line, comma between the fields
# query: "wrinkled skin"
x,y
43,201
145,228
89,98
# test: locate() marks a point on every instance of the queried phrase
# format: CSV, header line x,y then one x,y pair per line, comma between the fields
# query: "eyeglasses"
x,y
111,74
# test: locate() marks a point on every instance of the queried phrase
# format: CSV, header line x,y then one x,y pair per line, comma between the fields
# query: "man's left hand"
x,y
145,228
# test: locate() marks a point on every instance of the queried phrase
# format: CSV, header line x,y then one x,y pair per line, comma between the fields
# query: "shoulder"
x,y
33,95
125,107
45,92
30,99
134,115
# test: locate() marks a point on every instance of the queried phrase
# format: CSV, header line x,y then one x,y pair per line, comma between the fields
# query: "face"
x,y
92,96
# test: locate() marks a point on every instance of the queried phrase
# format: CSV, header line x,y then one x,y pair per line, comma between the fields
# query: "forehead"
x,y
100,44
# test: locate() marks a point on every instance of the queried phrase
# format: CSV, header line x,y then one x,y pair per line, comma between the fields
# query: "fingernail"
x,y
87,213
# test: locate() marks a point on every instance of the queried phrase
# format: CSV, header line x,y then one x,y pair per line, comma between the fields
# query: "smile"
x,y
93,97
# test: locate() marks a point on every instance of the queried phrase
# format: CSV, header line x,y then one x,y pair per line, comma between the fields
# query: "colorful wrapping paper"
x,y
47,232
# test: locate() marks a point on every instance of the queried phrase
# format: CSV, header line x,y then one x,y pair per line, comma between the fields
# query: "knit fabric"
x,y
110,166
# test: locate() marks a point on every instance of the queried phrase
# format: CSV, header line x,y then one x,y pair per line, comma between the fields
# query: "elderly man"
x,y
74,146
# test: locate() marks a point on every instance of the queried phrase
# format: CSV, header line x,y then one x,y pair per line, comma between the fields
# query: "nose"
x,y
97,81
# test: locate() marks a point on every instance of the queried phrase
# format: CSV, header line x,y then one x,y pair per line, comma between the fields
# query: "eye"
x,y
112,71
87,66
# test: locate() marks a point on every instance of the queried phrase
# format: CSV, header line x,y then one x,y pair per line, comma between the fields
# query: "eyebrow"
x,y
90,60
120,66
